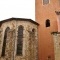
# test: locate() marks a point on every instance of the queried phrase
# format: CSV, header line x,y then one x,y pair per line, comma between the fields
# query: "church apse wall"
x,y
18,39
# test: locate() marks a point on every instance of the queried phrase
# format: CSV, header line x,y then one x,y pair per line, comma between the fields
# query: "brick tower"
x,y
47,15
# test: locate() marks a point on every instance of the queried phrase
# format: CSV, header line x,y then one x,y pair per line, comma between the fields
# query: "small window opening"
x,y
47,23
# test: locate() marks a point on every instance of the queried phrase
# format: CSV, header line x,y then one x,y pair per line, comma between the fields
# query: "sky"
x,y
17,8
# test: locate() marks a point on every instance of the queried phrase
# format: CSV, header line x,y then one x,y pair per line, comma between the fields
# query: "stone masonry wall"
x,y
30,42
56,37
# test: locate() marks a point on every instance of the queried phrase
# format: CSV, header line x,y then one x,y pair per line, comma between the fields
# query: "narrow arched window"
x,y
33,34
4,41
49,57
20,40
47,23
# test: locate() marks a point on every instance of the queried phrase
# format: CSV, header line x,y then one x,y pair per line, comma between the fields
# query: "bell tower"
x,y
47,18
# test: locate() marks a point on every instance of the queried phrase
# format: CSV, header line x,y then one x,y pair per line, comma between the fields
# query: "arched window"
x,y
47,23
4,41
20,40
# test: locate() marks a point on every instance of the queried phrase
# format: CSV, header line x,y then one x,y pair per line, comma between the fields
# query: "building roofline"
x,y
18,19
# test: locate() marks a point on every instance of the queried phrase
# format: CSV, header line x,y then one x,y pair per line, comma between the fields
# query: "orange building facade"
x,y
47,15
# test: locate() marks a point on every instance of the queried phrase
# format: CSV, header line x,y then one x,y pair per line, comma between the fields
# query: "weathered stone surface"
x,y
30,41
56,37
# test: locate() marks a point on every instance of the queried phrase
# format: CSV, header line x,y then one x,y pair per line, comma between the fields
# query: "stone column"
x,y
56,37
10,45
36,46
32,46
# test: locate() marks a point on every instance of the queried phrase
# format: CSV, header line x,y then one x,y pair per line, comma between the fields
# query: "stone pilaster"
x,y
10,45
56,37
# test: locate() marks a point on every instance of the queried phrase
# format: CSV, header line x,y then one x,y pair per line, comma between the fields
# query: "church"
x,y
18,39
25,39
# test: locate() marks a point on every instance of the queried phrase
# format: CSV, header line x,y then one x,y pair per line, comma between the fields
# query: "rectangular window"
x,y
45,2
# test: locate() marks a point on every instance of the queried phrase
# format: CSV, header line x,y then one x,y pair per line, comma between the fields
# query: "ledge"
x,y
55,33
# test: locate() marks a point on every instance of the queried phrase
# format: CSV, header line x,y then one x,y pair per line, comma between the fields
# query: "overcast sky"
x,y
17,8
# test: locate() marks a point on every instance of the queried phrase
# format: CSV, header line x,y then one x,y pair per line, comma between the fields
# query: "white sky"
x,y
17,8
